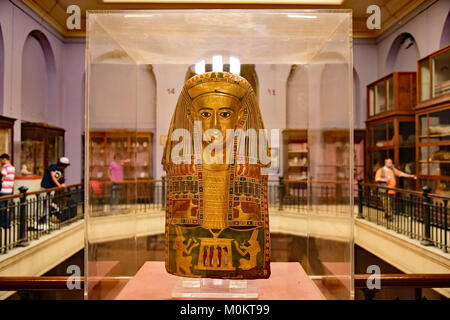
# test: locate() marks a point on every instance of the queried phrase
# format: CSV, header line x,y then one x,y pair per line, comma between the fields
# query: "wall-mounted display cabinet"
x,y
392,94
7,136
41,145
433,77
133,148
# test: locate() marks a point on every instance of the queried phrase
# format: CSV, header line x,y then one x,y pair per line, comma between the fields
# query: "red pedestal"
x,y
288,281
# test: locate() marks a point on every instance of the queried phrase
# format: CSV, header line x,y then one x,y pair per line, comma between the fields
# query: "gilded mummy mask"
x,y
217,222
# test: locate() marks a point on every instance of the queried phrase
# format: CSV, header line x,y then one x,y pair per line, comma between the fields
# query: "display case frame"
x,y
121,245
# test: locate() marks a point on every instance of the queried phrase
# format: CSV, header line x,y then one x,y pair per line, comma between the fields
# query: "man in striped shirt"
x,y
8,173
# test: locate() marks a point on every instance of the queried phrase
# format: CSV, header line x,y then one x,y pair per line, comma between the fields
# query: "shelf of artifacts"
x,y
433,148
390,125
130,149
296,160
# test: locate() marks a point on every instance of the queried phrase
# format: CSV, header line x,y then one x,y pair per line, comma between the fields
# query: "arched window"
x,y
403,54
445,36
38,79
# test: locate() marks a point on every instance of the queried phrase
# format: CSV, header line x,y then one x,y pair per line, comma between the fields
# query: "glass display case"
x,y
433,149
390,94
7,136
41,146
311,245
433,122
433,76
393,138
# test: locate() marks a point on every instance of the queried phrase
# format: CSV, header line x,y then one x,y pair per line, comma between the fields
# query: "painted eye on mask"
x,y
205,114
225,114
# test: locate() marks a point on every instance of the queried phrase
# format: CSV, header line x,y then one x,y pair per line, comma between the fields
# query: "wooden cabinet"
x,y
41,145
390,125
433,78
133,147
393,138
392,94
433,122
7,136
295,155
433,148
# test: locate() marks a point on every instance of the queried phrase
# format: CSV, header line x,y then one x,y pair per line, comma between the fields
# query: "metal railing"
x,y
143,195
60,283
419,215
29,215
292,195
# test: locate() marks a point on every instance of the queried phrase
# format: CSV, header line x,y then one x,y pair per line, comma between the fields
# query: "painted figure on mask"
x,y
217,222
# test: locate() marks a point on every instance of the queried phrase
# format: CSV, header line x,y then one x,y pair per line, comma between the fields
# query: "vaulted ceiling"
x,y
392,11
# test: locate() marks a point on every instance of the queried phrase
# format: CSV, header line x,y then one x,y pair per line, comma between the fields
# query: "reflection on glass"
x,y
32,157
424,80
379,134
441,187
407,160
439,123
380,97
423,127
441,73
390,103
407,133
390,126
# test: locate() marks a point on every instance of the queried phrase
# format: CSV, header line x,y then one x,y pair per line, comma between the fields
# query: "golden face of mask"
x,y
217,111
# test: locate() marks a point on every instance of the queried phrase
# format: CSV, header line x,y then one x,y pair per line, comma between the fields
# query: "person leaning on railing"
x,y
53,177
387,177
8,173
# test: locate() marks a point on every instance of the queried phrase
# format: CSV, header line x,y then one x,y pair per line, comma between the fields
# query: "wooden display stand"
x,y
288,281
433,122
390,124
